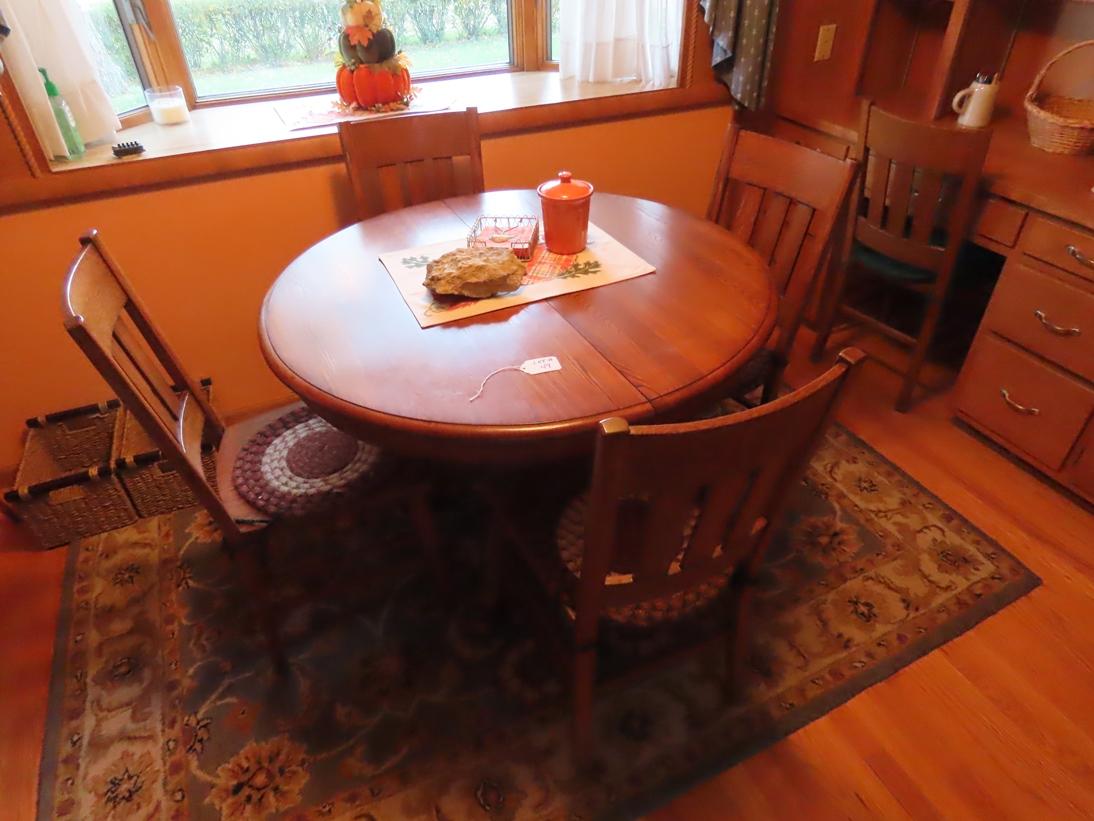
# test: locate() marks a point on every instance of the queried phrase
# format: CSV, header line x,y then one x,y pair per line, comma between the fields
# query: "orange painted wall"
x,y
202,256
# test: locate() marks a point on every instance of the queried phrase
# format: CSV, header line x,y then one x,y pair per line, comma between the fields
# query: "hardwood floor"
x,y
30,589
997,724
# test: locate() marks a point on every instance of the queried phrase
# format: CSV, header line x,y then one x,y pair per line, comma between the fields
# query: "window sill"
x,y
224,126
242,138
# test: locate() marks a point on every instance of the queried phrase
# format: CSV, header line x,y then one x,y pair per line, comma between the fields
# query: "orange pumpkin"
x,y
344,80
367,87
362,84
402,83
383,84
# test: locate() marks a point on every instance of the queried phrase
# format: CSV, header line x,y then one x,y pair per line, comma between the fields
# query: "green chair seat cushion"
x,y
883,266
887,267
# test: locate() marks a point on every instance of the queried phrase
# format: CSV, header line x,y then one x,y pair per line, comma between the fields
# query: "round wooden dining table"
x,y
335,329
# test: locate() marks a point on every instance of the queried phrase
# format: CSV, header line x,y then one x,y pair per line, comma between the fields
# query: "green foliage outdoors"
x,y
500,10
472,16
220,34
430,18
439,56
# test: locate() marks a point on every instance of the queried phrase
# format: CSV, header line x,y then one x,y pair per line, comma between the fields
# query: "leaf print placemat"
x,y
605,260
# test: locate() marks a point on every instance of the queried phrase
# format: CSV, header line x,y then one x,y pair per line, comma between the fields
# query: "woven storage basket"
x,y
61,506
78,438
1062,125
152,482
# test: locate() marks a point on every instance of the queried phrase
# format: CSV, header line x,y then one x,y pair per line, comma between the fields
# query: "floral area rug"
x,y
402,703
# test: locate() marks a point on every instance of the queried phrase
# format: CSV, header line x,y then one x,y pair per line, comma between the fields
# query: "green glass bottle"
x,y
63,114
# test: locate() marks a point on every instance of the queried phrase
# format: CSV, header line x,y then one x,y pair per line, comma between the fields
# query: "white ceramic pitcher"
x,y
976,103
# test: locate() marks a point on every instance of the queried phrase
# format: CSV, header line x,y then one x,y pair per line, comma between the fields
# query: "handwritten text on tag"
x,y
543,364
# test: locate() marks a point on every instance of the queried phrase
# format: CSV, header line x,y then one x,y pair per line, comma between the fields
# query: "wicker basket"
x,y
152,482
1062,125
80,437
61,506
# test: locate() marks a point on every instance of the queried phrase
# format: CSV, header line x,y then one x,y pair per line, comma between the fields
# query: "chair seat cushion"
x,y
299,463
887,267
570,542
753,374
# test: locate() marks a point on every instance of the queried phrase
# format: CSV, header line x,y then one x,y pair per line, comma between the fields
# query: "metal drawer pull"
x,y
1059,330
1079,256
1014,405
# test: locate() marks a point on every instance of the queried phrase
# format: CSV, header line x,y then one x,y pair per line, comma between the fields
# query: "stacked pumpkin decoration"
x,y
371,73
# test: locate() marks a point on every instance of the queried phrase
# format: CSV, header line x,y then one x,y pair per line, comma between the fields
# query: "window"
x,y
224,49
241,47
113,56
552,29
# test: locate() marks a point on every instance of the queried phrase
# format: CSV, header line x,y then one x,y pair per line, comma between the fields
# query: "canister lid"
x,y
566,188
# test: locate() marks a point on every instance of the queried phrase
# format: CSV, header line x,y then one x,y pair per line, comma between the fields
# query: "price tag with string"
x,y
542,364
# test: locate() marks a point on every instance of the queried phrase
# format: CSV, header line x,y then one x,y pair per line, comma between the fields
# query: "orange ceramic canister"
x,y
565,203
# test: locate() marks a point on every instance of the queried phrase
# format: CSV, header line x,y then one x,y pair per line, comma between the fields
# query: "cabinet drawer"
x,y
1026,402
1061,246
1046,316
1000,221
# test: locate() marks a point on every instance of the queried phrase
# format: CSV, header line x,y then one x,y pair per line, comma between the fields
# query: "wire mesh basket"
x,y
521,234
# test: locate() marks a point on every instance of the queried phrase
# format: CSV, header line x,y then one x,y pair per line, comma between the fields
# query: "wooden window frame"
x,y
530,36
160,57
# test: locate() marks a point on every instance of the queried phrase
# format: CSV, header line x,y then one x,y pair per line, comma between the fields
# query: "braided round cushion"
x,y
570,541
299,463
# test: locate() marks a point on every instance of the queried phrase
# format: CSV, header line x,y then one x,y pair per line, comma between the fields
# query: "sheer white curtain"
x,y
611,40
52,34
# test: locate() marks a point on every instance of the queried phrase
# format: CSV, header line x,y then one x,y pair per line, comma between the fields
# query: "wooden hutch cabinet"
x,y
1034,350
1028,382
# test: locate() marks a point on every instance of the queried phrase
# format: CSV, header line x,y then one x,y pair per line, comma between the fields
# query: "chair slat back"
x,y
111,326
402,161
783,200
918,189
673,505
131,356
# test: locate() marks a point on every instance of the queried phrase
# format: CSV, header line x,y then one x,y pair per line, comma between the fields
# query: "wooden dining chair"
x,y
401,161
112,327
784,200
912,209
673,529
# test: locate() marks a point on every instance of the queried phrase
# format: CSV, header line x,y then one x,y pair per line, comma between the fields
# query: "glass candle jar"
x,y
168,105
